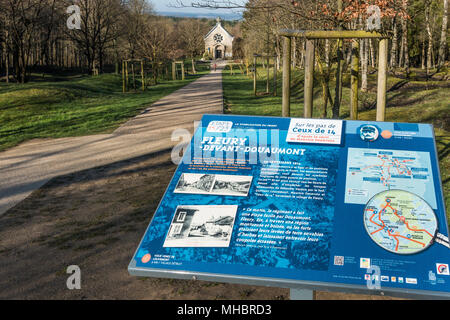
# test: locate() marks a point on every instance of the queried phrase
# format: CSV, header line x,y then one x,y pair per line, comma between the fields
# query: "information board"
x,y
304,203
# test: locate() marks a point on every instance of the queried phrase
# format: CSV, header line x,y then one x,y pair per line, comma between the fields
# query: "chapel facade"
x,y
219,42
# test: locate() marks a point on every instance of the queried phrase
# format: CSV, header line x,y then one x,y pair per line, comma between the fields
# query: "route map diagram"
x,y
400,222
370,171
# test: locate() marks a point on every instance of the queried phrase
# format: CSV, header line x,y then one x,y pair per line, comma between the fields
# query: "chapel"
x,y
219,42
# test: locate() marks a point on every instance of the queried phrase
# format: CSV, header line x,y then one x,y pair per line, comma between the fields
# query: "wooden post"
x,y
286,100
254,75
174,71
123,77
182,70
142,75
354,80
268,75
274,78
126,74
382,79
134,78
309,79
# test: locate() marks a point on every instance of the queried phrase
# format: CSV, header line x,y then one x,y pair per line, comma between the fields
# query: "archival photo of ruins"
x,y
232,185
214,184
201,226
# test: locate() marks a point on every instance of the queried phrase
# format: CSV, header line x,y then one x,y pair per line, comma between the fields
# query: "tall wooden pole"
x,y
134,78
286,99
174,74
126,75
123,77
254,75
268,75
274,78
142,75
182,70
382,79
354,80
309,79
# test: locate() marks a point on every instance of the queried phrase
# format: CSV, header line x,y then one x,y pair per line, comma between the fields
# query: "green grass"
x,y
76,106
417,101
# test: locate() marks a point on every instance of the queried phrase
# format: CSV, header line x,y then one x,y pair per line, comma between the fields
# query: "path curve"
x,y
30,165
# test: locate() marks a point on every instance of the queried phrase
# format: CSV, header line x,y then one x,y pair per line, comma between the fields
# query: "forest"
x,y
89,36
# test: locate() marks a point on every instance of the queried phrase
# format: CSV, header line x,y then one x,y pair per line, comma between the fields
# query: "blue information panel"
x,y
316,203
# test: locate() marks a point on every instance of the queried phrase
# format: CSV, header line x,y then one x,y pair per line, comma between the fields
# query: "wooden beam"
x,y
329,34
286,104
309,79
382,79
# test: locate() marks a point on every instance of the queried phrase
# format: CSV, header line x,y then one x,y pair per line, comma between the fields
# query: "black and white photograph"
x,y
195,183
232,185
201,226
214,184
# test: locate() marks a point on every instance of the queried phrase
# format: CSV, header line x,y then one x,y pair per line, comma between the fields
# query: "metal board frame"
x,y
286,283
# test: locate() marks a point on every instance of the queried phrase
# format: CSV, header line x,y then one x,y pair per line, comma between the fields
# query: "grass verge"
x,y
73,106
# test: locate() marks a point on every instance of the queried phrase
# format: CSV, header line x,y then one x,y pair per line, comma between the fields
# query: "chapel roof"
x,y
218,24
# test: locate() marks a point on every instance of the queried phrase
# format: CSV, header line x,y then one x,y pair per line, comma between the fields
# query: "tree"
x,y
100,26
191,33
23,19
158,43
443,40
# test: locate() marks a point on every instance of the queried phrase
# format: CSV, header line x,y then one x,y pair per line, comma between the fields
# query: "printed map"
x,y
400,222
370,171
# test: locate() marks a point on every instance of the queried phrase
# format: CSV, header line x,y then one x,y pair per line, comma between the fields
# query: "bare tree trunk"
x,y
6,56
294,52
443,41
193,66
430,38
372,53
401,55
364,52
405,39
394,48
422,58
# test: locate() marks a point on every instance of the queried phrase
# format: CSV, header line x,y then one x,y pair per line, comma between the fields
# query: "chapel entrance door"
x,y
218,54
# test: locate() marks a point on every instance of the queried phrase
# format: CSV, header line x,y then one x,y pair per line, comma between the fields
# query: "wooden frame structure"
x,y
310,36
174,69
125,74
267,57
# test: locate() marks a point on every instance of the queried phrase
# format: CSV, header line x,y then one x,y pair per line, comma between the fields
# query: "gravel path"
x,y
30,165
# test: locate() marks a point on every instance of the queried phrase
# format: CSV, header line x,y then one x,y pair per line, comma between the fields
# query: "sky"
x,y
164,6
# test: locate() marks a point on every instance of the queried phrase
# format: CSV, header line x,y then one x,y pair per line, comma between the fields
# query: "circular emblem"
x,y
386,134
218,38
146,258
368,133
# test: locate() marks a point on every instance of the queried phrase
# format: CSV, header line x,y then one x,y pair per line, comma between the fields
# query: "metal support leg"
x,y
301,294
